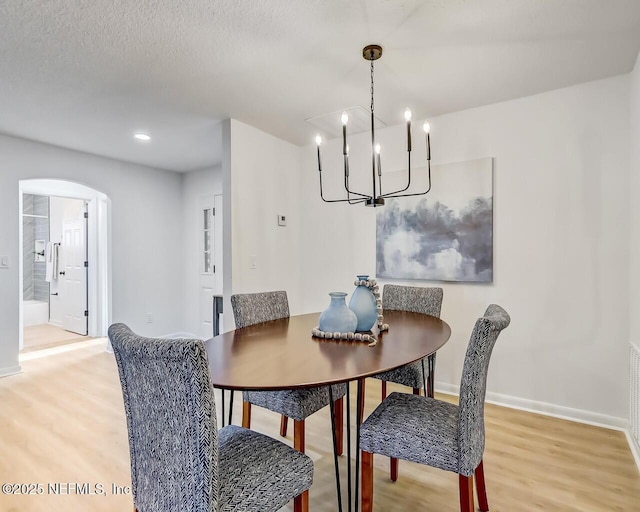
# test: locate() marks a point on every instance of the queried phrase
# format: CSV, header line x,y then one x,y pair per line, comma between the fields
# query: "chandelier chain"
x,y
372,84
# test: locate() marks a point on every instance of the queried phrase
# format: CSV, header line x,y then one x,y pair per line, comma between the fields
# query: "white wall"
x,y
634,190
561,217
262,180
146,232
634,238
196,186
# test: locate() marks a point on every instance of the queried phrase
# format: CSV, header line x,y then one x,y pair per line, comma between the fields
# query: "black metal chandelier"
x,y
372,53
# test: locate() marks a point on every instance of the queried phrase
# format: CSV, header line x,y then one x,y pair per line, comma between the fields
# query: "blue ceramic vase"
x,y
363,304
338,317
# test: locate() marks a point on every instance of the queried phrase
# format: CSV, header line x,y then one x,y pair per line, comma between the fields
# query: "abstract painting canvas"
x,y
446,235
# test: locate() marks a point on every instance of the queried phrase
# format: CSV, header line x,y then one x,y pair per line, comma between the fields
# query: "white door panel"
x,y
74,277
206,307
217,246
207,269
210,281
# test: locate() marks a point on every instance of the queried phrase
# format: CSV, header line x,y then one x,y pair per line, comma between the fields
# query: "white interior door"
x,y
207,266
74,270
210,281
217,245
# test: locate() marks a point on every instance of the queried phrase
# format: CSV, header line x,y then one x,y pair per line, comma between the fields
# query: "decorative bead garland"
x,y
358,336
372,284
346,336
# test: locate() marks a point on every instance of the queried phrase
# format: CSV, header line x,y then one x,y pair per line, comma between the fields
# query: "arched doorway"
x,y
98,262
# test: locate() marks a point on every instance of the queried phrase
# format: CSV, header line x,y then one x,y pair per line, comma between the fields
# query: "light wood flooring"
x,y
38,337
62,421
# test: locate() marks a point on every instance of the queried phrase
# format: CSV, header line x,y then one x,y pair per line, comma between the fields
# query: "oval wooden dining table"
x,y
282,354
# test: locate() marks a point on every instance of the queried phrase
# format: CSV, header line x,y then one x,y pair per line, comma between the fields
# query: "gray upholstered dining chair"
x,y
436,433
179,459
416,299
298,404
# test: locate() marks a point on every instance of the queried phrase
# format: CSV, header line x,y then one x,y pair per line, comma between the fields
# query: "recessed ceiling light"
x,y
142,136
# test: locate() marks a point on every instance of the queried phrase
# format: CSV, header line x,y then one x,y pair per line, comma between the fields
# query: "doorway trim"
x,y
98,247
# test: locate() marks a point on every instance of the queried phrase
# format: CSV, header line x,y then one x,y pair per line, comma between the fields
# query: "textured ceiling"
x,y
86,74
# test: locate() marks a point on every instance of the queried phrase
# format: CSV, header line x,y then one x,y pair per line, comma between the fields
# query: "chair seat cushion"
x,y
407,375
258,473
413,428
297,404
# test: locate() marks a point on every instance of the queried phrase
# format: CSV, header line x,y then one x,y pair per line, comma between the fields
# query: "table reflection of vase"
x,y
363,304
338,317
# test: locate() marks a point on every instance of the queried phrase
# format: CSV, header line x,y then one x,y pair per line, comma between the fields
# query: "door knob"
x,y
62,273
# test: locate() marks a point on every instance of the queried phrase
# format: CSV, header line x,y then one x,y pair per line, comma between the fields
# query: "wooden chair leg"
x,y
384,390
301,502
298,435
284,422
481,489
393,469
416,391
367,482
246,414
339,421
466,493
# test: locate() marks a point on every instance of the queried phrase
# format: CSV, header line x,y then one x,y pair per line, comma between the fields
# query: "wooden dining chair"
x,y
298,404
415,299
437,433
179,459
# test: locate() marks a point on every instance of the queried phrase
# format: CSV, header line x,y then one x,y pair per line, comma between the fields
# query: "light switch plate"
x,y
4,261
282,219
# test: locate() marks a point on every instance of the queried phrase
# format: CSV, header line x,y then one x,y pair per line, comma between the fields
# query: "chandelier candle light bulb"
x,y
372,53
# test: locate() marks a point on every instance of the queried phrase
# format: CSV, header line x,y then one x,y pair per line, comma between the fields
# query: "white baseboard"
x,y
11,370
556,411
635,448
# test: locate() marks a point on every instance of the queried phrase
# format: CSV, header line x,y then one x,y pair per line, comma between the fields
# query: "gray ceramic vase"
x,y
338,317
